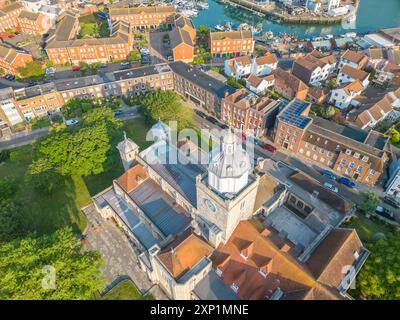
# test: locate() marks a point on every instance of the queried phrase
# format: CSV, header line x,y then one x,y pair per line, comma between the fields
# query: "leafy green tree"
x,y
33,69
166,106
88,149
394,136
2,72
7,189
134,55
234,83
379,279
22,273
332,84
11,225
369,201
42,176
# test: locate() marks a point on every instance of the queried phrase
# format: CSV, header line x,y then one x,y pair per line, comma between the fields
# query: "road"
x,y
21,139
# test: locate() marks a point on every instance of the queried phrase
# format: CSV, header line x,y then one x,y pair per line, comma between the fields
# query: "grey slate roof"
x,y
201,79
213,288
159,209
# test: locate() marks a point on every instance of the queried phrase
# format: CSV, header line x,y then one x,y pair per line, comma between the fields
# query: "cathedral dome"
x,y
229,169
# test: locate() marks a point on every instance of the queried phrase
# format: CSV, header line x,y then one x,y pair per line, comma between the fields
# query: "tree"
x,y
379,279
33,69
24,262
166,106
369,201
88,149
42,176
332,84
2,72
234,83
11,225
7,189
134,55
394,136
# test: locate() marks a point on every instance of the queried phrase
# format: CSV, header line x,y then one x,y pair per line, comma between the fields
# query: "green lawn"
x,y
88,29
367,228
125,290
136,129
46,213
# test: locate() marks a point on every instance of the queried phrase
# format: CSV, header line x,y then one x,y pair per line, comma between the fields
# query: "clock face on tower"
x,y
210,205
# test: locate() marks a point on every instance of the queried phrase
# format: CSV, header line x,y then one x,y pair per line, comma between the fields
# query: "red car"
x,y
269,148
76,68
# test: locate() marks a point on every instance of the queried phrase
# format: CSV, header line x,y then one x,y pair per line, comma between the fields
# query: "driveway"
x,y
157,50
119,254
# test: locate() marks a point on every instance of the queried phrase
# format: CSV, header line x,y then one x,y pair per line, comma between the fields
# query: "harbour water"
x,y
372,16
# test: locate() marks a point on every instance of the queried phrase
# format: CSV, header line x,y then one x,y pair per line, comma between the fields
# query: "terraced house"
x,y
231,43
8,16
64,47
141,18
348,151
11,59
33,23
245,111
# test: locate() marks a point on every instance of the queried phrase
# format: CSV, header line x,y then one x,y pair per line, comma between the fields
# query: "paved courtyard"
x,y
119,254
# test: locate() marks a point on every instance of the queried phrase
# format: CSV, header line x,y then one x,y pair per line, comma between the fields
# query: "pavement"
x,y
120,255
24,138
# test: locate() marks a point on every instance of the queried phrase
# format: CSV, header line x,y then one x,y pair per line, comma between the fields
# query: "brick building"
x,y
11,59
141,18
8,16
245,111
33,23
348,151
289,86
64,47
231,43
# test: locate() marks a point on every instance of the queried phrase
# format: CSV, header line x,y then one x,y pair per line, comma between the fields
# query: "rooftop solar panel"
x,y
292,114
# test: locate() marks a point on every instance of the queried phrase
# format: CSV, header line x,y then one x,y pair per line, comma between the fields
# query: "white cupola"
x,y
228,171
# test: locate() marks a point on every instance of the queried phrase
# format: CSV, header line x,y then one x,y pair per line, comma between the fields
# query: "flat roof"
x,y
67,84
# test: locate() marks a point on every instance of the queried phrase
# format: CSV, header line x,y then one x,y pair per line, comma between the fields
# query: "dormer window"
x,y
356,255
243,254
218,272
234,287
263,272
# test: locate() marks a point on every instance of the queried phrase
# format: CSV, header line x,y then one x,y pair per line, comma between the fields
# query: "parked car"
x,y
212,120
170,59
9,77
331,187
330,175
50,71
391,202
383,212
71,122
200,113
102,65
223,126
347,182
269,147
76,68
118,112
125,63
